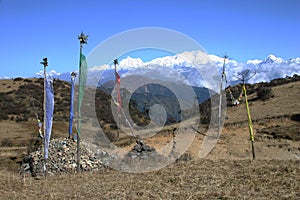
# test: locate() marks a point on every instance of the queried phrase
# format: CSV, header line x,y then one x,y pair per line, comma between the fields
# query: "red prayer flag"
x,y
118,81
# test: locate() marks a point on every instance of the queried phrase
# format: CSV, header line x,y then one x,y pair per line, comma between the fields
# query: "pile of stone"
x,y
142,158
63,156
141,152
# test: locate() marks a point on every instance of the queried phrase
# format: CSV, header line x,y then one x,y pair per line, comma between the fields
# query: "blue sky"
x,y
33,29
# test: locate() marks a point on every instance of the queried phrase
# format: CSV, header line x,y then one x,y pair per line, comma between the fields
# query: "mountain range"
x,y
180,68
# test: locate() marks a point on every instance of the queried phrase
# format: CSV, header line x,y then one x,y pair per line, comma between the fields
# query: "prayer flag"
x,y
49,114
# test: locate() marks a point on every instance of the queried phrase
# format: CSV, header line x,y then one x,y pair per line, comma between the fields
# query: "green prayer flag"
x,y
83,69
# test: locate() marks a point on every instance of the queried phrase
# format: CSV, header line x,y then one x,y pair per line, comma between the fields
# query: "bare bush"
x,y
264,93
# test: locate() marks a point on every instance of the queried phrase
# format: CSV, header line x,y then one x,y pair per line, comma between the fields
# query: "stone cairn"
x,y
142,151
63,154
142,157
62,159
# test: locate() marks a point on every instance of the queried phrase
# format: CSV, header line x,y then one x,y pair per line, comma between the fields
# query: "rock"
x,y
27,166
137,148
142,151
62,158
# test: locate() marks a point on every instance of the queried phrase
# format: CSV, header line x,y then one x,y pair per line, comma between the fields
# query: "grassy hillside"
x,y
228,172
21,100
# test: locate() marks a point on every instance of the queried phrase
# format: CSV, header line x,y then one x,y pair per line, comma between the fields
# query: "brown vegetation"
x,y
226,173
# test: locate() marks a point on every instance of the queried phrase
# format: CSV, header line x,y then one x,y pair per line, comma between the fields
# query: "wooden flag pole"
x,y
221,89
249,121
45,64
82,40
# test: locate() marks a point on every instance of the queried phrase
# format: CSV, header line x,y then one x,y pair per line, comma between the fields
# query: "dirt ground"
x,y
227,172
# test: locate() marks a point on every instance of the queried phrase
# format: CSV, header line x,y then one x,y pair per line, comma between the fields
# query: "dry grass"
x,y
285,101
227,172
202,179
10,85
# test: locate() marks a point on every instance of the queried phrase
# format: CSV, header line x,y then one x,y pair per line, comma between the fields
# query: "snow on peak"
x,y
273,59
39,74
184,64
253,62
51,73
101,67
196,57
294,60
131,63
184,58
167,61
216,58
5,77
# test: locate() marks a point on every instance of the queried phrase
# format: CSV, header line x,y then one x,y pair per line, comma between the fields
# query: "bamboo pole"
x,y
249,121
244,76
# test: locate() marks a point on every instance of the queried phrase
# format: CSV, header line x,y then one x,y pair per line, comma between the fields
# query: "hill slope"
x,y
226,173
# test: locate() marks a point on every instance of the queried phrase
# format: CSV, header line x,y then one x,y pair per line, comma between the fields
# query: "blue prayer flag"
x,y
49,114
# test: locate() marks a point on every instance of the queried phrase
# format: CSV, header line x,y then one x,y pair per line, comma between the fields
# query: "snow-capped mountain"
x,y
51,73
186,67
5,77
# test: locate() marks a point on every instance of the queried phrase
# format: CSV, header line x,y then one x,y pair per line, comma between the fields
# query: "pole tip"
x,y
115,61
45,62
73,74
83,38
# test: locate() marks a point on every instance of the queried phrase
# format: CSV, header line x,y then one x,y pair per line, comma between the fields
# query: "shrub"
x,y
113,126
184,157
40,80
18,119
6,98
10,92
4,116
27,80
264,93
205,111
18,79
295,117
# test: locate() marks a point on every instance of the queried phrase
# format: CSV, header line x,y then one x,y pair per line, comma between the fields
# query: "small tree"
x,y
264,93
